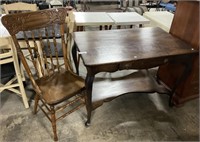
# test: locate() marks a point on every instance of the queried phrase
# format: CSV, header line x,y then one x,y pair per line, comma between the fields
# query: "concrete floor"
x,y
129,118
132,117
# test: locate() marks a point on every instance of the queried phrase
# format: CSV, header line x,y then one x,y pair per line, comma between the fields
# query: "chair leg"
x,y
36,103
53,122
19,77
22,73
20,81
24,97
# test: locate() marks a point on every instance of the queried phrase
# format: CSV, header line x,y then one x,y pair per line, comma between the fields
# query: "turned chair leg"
x,y
36,103
53,122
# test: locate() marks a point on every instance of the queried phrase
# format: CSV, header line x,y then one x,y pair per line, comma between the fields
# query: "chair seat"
x,y
60,86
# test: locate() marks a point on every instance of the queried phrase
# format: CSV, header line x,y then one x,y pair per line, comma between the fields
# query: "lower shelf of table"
x,y
108,86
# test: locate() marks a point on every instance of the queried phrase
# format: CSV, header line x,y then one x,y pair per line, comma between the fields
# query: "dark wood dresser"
x,y
185,26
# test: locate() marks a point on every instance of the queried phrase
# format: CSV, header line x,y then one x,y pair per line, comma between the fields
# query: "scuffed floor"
x,y
132,117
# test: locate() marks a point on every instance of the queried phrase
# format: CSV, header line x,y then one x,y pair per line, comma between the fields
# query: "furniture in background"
x,y
126,49
40,3
55,3
139,9
71,3
100,19
163,3
151,4
25,1
10,67
19,7
105,19
148,4
56,87
162,19
168,5
128,18
185,26
43,5
86,5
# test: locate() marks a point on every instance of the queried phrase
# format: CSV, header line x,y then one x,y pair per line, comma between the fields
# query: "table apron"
x,y
138,64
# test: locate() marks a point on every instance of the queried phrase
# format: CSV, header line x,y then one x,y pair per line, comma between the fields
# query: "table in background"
x,y
142,48
162,19
128,18
92,19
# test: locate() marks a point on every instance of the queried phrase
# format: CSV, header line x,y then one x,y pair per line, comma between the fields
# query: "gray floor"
x,y
132,117
129,118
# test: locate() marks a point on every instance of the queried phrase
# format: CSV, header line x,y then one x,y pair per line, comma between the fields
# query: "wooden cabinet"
x,y
185,26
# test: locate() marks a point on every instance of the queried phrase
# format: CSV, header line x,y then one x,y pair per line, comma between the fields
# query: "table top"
x,y
92,18
162,18
128,18
129,45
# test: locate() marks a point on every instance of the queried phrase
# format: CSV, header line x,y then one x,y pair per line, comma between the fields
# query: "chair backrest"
x,y
19,7
51,29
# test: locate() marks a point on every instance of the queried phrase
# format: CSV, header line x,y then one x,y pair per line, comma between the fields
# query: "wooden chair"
x,y
55,84
19,7
10,67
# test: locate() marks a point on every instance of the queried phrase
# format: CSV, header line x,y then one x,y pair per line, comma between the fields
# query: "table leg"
x,y
89,83
184,75
118,27
74,56
80,28
100,27
77,28
106,27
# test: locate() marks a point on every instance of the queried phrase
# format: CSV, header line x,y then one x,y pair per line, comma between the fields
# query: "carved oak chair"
x,y
52,83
